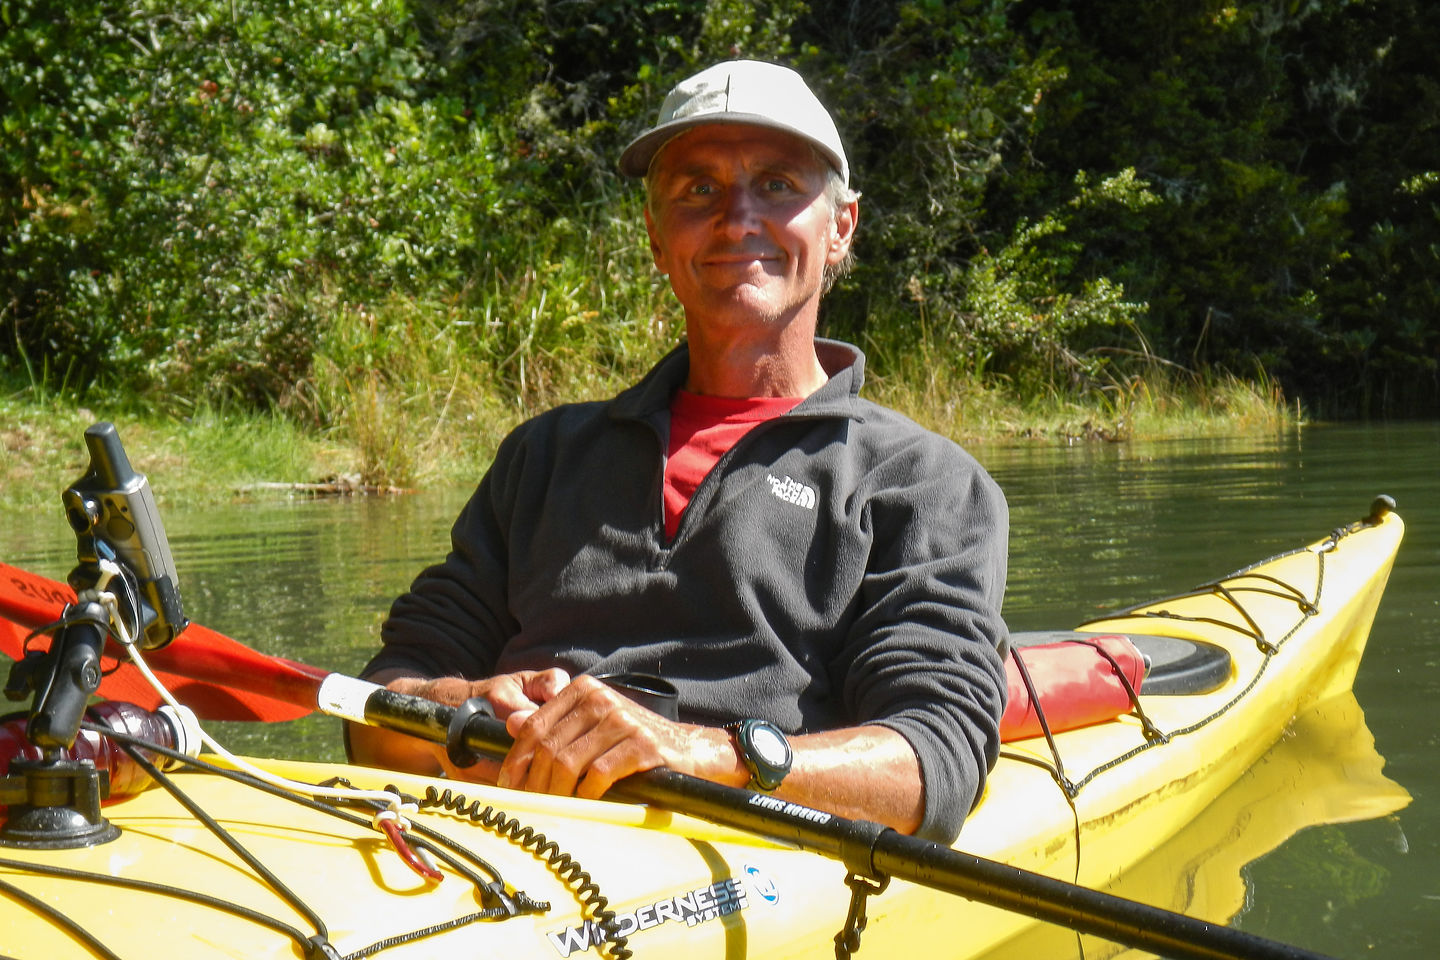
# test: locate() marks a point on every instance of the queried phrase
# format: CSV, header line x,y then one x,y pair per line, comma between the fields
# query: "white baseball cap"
x,y
740,91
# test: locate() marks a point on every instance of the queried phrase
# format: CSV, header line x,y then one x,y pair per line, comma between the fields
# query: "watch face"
x,y
770,745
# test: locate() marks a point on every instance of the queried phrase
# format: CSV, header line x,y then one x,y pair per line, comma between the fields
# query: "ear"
x,y
842,231
656,251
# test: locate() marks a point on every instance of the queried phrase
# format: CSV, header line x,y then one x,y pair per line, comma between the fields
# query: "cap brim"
x,y
636,159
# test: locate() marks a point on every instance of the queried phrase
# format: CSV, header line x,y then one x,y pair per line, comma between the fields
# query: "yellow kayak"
x,y
210,866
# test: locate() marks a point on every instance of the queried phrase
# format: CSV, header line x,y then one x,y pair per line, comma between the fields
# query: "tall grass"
x,y
205,457
396,428
1140,398
424,388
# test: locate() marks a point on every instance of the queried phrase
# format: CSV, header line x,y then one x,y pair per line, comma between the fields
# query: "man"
x,y
739,523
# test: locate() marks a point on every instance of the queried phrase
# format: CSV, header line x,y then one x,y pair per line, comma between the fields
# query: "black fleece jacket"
x,y
840,566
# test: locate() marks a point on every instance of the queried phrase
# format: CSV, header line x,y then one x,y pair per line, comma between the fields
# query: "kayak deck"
x,y
1293,628
337,877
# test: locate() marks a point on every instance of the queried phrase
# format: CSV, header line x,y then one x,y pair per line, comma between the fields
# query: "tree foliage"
x,y
237,199
1293,147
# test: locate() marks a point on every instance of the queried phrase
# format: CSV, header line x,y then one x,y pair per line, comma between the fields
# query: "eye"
x,y
777,185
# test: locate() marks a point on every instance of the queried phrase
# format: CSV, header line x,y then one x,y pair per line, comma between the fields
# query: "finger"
x,y
556,731
544,685
515,722
507,696
538,737
523,693
605,743
527,727
448,690
614,764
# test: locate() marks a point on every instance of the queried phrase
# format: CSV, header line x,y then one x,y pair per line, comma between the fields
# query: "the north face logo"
x,y
792,491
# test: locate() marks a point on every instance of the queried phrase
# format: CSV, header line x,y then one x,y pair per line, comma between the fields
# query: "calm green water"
x,y
1094,527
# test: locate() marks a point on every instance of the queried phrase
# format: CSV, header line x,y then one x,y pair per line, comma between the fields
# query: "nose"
x,y
738,214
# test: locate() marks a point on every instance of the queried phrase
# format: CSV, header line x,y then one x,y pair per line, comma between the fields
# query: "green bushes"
x,y
370,213
242,162
1293,149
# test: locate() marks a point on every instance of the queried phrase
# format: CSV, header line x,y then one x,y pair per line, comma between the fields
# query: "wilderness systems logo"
x,y
762,885
696,907
792,491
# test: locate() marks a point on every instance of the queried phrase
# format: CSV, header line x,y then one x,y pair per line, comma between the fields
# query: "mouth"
x,y
739,259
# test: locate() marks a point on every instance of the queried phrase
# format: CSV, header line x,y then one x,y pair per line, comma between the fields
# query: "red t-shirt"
x,y
702,429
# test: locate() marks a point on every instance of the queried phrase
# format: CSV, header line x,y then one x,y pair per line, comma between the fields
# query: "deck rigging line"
x,y
1229,589
498,904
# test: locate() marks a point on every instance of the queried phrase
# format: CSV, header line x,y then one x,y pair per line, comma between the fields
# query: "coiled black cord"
x,y
594,905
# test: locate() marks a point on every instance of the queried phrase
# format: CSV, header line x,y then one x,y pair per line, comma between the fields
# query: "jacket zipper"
x,y
715,477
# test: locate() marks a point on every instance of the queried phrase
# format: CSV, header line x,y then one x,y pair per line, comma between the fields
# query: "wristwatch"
x,y
764,751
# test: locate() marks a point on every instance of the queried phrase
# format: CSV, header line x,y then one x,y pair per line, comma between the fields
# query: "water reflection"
x,y
1101,526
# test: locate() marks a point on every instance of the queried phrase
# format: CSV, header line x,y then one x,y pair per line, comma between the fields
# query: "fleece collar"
x,y
839,397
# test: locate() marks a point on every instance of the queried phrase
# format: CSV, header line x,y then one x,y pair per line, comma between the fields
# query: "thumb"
x,y
516,719
524,692
542,686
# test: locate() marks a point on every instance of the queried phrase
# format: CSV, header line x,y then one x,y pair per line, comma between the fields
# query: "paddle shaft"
x,y
865,848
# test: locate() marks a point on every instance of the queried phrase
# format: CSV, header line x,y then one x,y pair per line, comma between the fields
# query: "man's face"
x,y
740,223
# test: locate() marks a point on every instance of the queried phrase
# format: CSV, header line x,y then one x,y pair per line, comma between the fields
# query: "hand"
x,y
587,736
508,693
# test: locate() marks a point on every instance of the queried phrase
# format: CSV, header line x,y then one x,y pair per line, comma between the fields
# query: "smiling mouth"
x,y
755,270
739,259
